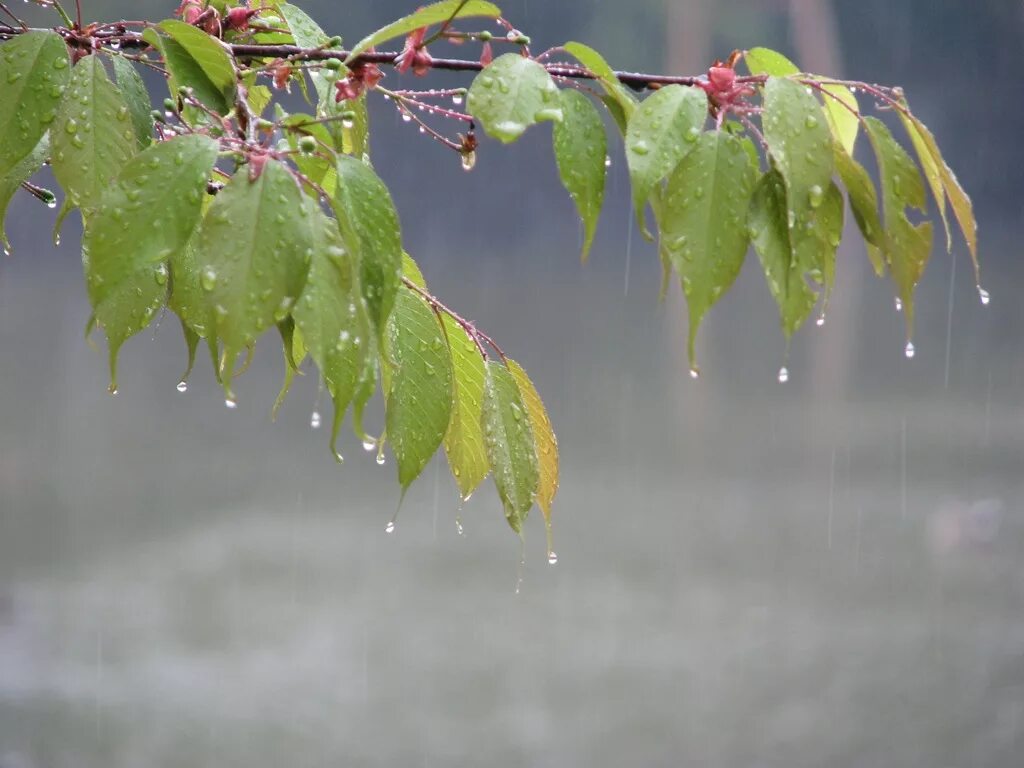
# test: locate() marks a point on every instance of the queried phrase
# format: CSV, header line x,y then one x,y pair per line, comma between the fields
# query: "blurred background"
x,y
822,572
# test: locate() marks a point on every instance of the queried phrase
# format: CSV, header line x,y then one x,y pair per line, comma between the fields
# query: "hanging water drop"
x,y
816,195
458,526
51,202
314,420
369,445
899,304
984,296
230,403
406,117
607,161
468,160
390,527
457,98
380,457
821,320
694,373
909,350
182,386
552,558
783,375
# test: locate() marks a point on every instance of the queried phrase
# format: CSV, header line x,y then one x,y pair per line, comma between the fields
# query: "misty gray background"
x,y
825,572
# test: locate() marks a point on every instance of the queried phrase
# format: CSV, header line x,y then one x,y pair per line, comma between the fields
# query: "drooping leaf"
x,y
703,221
842,112
508,438
619,95
93,136
294,349
370,227
765,61
863,199
543,437
332,318
191,345
907,246
133,90
661,133
141,221
925,144
11,180
188,298
435,13
253,250
580,149
196,60
464,440
800,144
770,229
418,395
511,94
828,231
33,75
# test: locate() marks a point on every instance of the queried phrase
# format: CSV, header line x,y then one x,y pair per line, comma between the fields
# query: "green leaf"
x,y
545,440
332,318
355,138
253,249
10,181
308,34
369,224
418,399
926,146
510,445
593,61
511,94
294,349
765,61
145,217
703,221
769,226
135,95
842,112
188,298
907,246
661,133
580,149
436,13
464,440
316,167
800,144
33,75
863,199
93,136
198,61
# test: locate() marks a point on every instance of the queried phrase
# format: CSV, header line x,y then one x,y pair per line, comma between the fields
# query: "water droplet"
x,y
230,403
71,126
783,375
692,134
468,160
314,420
816,195
909,350
457,98
984,296
390,527
369,445
380,456
811,121
552,558
112,389
458,526
51,203
820,321
640,147
182,386
694,373
607,161
208,279
406,116
160,274
899,304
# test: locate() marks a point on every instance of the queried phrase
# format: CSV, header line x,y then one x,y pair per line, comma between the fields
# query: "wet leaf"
x,y
907,246
580,148
508,438
308,34
704,221
800,144
544,438
619,95
141,221
435,13
34,71
133,90
842,112
661,132
370,228
253,251
10,181
198,61
464,441
770,228
92,135
765,61
511,94
418,395
331,316
925,144
294,349
863,200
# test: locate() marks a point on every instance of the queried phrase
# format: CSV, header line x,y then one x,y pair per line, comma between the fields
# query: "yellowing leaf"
x,y
436,13
544,439
464,441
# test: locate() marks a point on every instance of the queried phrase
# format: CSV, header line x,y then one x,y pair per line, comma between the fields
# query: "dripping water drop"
x,y
984,296
230,403
694,373
182,386
909,350
899,304
314,420
820,321
552,558
390,527
783,375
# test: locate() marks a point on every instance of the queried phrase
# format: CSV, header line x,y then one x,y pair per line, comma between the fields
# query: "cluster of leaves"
x,y
241,217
